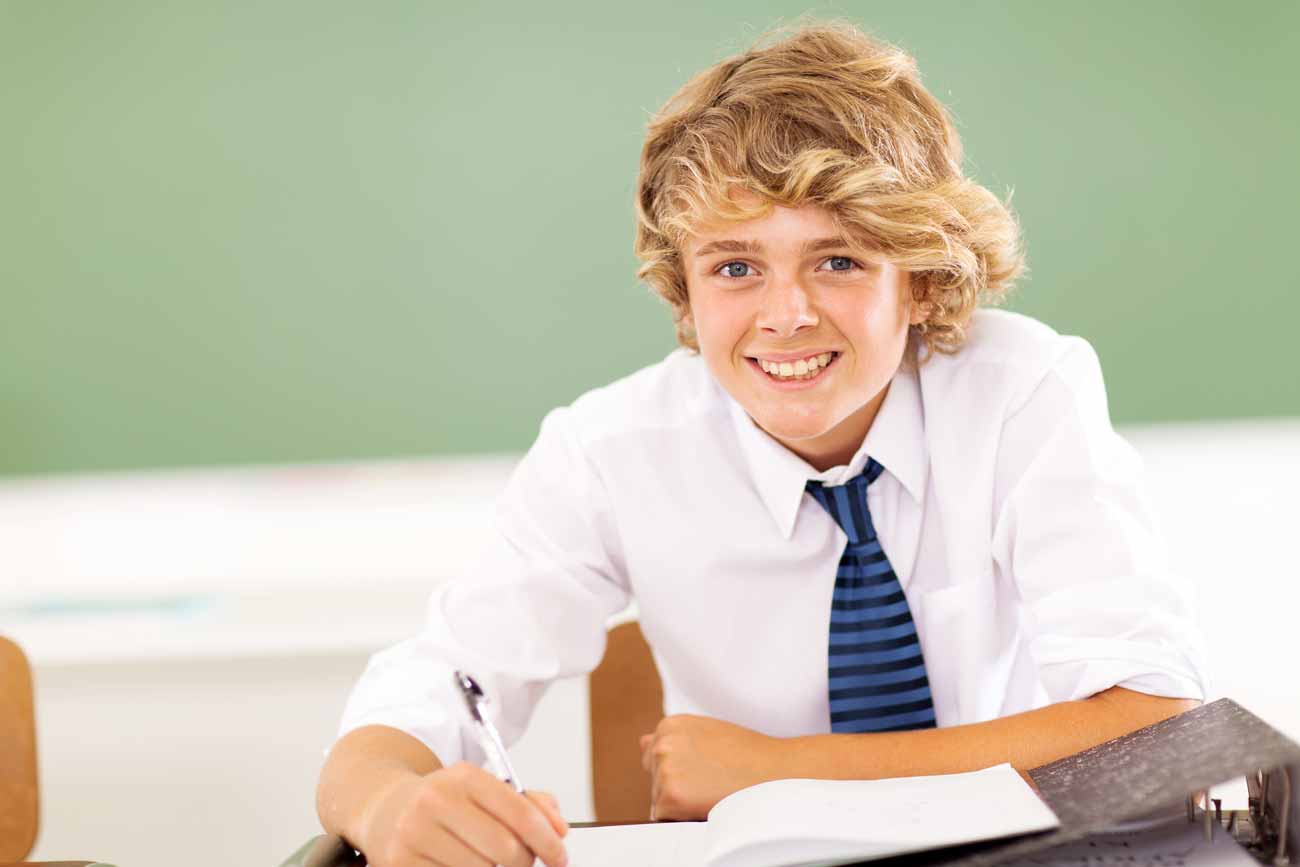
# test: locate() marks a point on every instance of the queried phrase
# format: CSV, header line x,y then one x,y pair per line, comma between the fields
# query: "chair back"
x,y
18,794
627,701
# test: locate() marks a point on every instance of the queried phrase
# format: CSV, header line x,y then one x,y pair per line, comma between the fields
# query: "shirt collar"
x,y
896,440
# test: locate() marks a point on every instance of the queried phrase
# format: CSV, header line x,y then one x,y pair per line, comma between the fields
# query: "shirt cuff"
x,y
427,710
1079,668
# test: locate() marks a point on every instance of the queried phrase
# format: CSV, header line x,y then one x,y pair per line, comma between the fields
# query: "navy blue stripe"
x,y
845,670
921,719
882,689
893,710
867,601
872,470
884,703
844,515
874,612
846,681
855,587
927,722
880,623
902,630
828,500
865,548
841,650
872,618
857,504
867,569
864,557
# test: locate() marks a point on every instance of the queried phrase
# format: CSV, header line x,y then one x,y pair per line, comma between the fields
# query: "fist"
x,y
696,761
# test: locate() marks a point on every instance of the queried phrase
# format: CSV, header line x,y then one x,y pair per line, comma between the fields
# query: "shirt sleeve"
x,y
531,608
1075,531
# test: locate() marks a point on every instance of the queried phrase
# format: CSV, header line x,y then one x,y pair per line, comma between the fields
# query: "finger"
x,y
522,816
551,808
654,797
484,834
647,754
446,848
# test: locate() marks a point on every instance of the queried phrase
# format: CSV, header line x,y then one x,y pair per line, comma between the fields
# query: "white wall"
x,y
194,635
1228,499
218,758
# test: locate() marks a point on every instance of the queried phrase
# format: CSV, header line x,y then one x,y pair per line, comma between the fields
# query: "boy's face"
x,y
787,296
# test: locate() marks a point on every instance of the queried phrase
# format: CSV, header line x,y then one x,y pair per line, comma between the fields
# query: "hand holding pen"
x,y
465,815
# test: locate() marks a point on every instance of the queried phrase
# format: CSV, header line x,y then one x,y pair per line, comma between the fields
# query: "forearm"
x,y
360,767
1026,740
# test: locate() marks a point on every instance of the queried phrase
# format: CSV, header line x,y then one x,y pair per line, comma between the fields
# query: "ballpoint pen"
x,y
488,737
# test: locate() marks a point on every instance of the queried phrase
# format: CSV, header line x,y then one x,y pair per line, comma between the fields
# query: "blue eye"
x,y
844,261
729,269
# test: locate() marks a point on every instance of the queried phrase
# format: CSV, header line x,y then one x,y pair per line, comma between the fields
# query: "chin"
x,y
793,429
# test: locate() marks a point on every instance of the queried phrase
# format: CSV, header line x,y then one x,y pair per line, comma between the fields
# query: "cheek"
x,y
884,315
718,326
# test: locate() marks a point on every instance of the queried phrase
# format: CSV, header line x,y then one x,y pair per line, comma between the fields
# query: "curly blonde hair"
x,y
826,116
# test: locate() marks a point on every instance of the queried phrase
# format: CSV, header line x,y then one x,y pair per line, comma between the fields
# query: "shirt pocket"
x,y
960,638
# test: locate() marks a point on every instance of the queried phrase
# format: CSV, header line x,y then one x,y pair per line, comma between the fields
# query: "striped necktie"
x,y
876,672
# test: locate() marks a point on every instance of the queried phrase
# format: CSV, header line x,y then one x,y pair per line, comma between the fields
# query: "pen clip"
x,y
471,692
493,747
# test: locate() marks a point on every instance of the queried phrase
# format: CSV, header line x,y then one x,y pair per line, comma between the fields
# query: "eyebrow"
x,y
814,246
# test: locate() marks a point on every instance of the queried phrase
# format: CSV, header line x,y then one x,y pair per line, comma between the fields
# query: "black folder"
x,y
1160,769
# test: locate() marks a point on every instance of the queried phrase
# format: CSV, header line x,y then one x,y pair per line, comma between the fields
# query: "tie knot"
x,y
869,474
847,503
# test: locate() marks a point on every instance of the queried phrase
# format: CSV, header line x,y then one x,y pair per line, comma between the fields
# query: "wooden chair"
x,y
19,801
19,793
626,702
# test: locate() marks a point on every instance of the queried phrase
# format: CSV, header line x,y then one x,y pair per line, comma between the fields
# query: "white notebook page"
x,y
824,821
789,821
662,844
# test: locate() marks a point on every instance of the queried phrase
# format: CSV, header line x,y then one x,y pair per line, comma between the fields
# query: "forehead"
x,y
781,227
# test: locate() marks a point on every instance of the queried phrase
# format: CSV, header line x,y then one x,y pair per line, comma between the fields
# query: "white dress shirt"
x,y
1013,514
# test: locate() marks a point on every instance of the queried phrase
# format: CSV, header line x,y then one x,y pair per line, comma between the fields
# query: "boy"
x,y
871,531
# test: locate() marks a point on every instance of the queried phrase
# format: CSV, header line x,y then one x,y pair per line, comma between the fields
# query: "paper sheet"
x,y
862,819
801,821
663,844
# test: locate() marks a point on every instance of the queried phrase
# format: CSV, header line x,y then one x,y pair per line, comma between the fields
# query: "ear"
x,y
918,310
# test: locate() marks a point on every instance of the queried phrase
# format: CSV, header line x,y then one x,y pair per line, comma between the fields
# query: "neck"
x,y
838,445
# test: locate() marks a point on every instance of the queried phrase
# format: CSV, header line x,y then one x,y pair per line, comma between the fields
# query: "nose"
x,y
785,308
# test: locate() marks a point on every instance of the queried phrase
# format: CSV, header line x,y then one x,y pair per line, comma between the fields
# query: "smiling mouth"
x,y
773,372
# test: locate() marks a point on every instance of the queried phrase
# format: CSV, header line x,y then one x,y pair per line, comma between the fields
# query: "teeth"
x,y
803,368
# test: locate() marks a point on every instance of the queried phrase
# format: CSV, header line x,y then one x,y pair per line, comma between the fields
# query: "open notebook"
x,y
824,822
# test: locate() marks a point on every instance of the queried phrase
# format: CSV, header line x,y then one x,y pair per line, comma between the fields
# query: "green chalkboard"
x,y
303,230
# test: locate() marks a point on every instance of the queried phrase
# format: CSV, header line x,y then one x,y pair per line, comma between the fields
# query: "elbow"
x,y
1135,710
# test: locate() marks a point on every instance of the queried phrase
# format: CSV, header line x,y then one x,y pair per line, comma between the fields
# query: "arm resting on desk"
x,y
360,767
694,762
